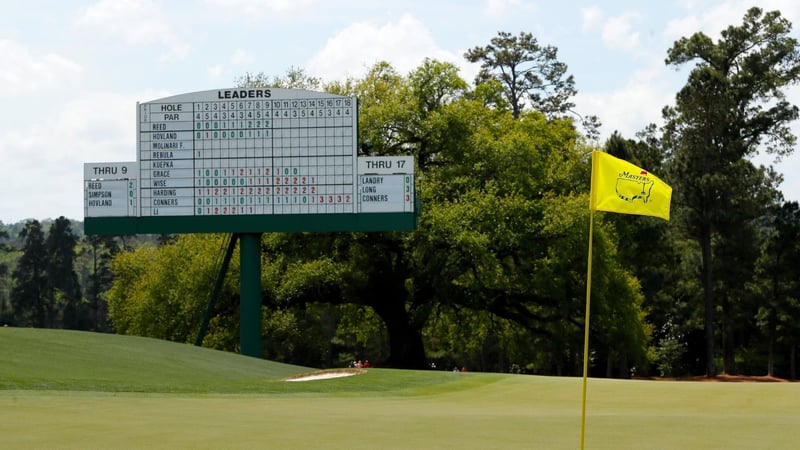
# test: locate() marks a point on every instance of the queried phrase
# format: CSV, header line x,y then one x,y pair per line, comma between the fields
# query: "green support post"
x,y
250,292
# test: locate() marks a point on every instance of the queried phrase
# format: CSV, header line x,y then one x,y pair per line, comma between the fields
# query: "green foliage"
x,y
651,250
6,264
62,286
317,279
529,72
670,352
46,289
732,105
361,334
502,235
295,78
776,285
28,298
495,275
96,255
161,292
477,340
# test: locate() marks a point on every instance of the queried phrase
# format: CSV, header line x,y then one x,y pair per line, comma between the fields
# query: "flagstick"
x,y
586,328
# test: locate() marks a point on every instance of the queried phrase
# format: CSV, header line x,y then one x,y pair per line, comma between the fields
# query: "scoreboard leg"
x,y
250,294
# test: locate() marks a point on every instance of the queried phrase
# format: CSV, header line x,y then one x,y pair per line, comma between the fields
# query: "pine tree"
x,y
28,297
732,105
102,249
62,285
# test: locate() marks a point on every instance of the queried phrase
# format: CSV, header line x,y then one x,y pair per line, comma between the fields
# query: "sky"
x,y
71,72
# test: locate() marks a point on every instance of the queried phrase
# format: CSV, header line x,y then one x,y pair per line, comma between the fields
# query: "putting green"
x,y
510,412
184,397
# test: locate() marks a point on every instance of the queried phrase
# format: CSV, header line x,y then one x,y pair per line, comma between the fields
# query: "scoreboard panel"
x,y
248,152
284,159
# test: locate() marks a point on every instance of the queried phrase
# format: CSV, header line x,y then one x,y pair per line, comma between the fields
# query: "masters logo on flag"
x,y
619,186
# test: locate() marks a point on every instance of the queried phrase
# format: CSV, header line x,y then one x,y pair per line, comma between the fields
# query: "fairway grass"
x,y
249,405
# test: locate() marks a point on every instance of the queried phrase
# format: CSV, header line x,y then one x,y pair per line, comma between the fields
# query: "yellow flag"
x,y
621,187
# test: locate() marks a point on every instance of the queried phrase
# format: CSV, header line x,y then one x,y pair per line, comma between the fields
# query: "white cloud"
x,y
242,57
257,9
499,8
97,127
618,32
137,22
28,71
352,51
631,108
591,17
712,20
215,72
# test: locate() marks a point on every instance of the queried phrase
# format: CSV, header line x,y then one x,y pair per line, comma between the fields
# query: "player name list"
x,y
246,152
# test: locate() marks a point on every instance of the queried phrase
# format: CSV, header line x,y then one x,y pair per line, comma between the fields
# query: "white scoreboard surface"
x,y
386,184
110,189
249,151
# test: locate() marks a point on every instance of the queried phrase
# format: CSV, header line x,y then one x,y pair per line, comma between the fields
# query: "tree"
x,y
4,306
502,235
397,116
62,285
732,105
648,249
29,296
102,250
737,249
295,78
529,71
505,231
162,291
777,283
366,269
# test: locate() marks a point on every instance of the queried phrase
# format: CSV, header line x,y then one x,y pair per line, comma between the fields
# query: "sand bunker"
x,y
325,375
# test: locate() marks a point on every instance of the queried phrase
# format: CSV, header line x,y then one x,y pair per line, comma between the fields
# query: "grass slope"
x,y
39,359
72,360
80,390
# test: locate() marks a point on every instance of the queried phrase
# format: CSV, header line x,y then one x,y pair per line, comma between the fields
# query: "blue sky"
x,y
72,71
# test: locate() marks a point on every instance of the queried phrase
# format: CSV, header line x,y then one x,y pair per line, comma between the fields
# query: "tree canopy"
x,y
732,105
493,278
502,235
529,72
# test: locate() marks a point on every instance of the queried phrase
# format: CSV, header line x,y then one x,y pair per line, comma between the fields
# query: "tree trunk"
x,y
624,368
728,340
771,337
729,351
771,357
94,299
406,350
708,289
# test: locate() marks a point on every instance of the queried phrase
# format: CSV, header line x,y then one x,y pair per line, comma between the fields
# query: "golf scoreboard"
x,y
249,160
